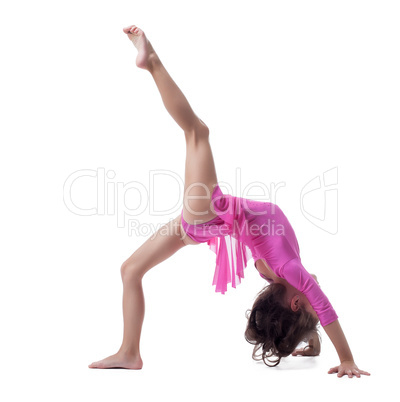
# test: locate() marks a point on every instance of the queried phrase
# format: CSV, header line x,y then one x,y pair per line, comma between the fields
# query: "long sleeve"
x,y
297,276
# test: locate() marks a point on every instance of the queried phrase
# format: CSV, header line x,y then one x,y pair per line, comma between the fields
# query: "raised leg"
x,y
200,174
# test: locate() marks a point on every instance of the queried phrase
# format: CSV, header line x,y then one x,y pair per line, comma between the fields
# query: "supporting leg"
x,y
160,246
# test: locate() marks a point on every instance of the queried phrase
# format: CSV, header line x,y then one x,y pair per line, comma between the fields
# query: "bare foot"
x,y
146,53
118,361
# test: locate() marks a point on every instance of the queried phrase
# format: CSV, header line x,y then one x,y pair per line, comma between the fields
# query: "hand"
x,y
349,368
312,349
308,350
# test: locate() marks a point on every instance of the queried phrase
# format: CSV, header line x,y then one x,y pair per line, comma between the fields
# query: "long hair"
x,y
275,329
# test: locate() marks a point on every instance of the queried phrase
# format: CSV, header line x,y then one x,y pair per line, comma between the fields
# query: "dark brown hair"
x,y
275,328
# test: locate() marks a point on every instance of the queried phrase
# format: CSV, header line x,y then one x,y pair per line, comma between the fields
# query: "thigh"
x,y
200,176
165,242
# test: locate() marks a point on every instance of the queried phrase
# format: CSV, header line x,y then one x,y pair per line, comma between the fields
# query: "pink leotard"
x,y
245,229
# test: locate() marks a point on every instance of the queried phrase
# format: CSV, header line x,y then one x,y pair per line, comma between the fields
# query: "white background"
x,y
289,89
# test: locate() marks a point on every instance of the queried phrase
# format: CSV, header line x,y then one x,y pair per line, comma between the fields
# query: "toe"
x,y
127,29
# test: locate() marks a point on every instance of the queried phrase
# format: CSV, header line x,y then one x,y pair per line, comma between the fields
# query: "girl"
x,y
286,311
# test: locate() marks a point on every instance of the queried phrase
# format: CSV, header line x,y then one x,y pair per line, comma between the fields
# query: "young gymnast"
x,y
285,312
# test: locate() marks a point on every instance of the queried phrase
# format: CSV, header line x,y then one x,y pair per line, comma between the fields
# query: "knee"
x,y
198,131
130,272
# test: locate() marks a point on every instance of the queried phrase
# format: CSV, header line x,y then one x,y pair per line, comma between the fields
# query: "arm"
x,y
336,335
347,365
297,276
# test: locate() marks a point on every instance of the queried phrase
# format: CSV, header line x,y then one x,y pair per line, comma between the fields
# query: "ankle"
x,y
129,353
154,62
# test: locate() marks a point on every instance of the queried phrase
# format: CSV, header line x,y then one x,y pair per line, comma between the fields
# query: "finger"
x,y
333,370
364,372
357,373
299,352
340,373
349,373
